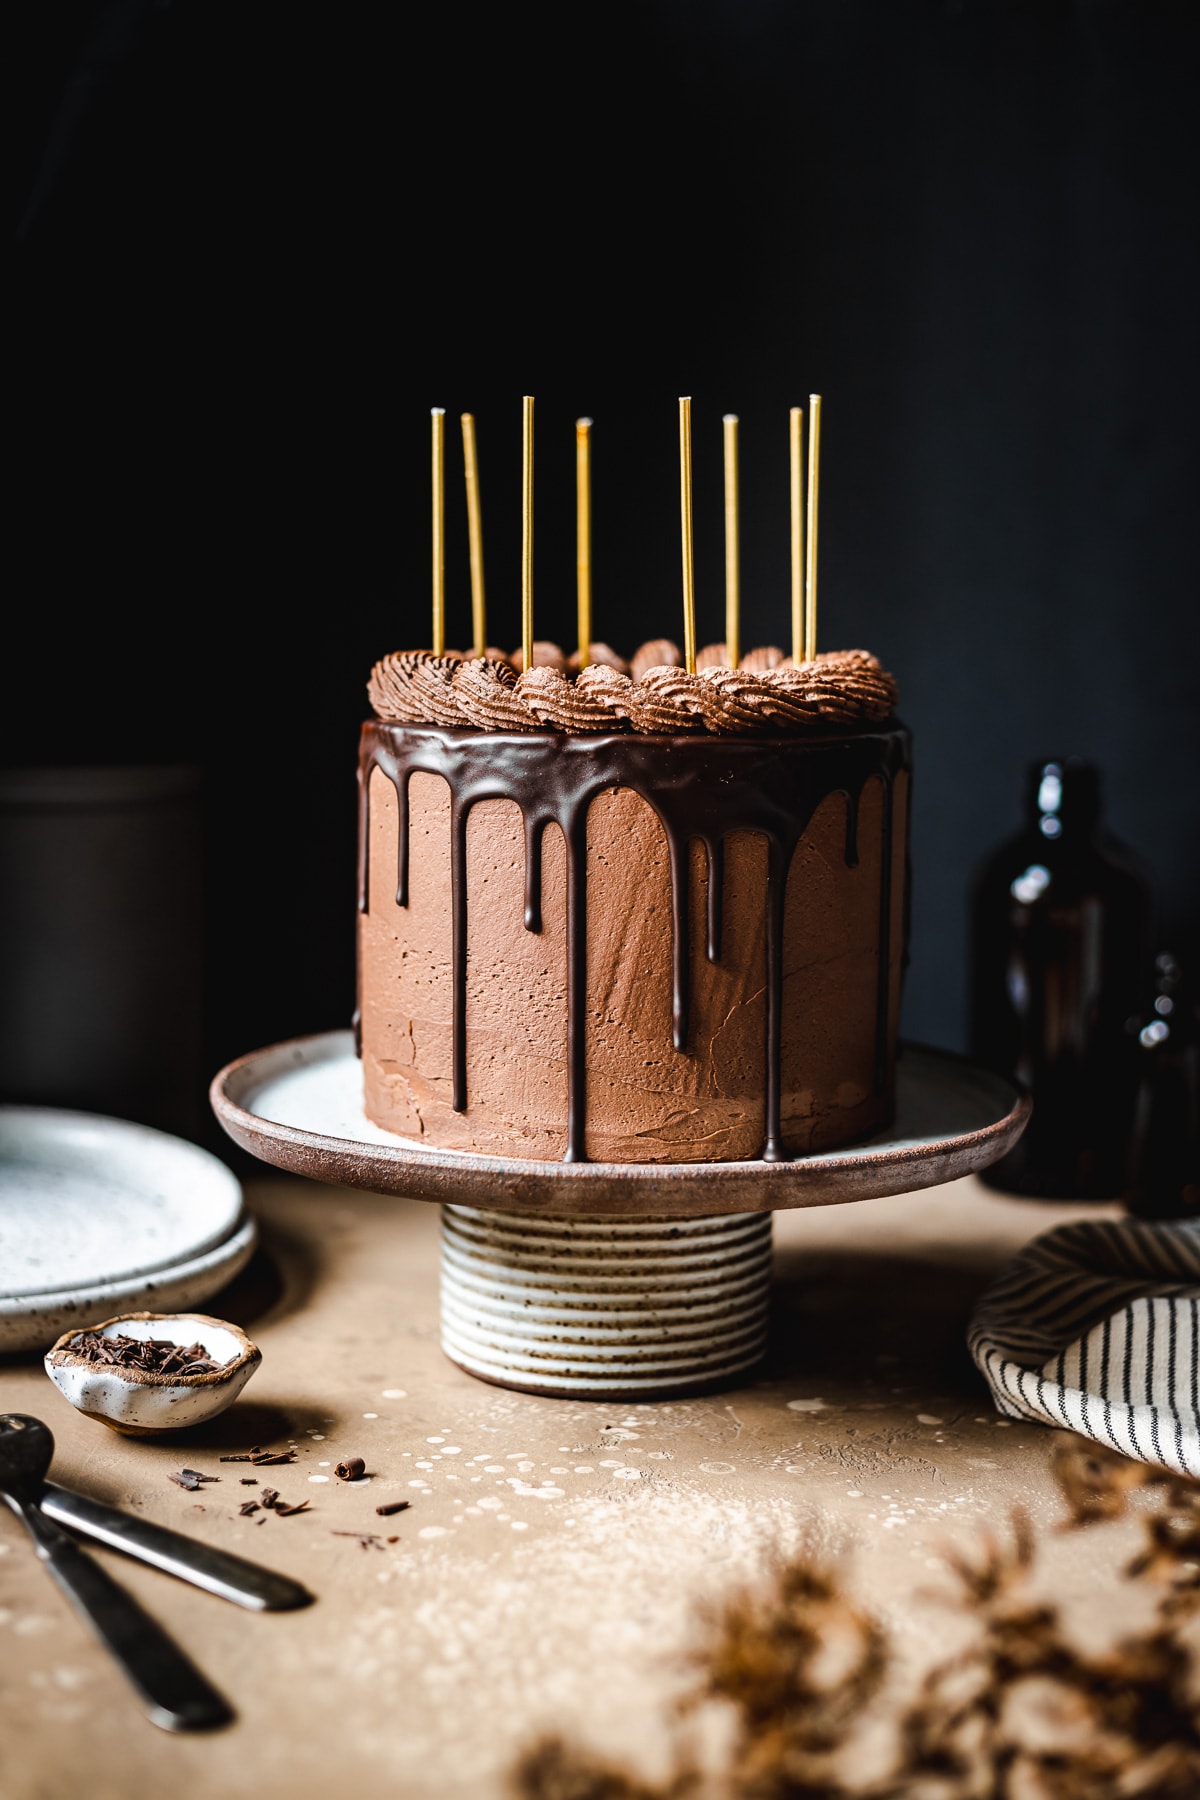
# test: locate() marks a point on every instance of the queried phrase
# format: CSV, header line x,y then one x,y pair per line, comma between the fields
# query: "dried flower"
x,y
554,1771
1023,1710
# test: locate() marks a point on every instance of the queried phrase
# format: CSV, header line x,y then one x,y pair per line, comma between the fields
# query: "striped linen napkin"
x,y
1096,1327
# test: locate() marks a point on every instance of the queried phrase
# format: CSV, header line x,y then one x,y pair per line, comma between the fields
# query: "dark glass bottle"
x,y
1060,920
1164,1167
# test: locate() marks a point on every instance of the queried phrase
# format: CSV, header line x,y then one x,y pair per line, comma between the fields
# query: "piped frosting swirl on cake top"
x,y
766,695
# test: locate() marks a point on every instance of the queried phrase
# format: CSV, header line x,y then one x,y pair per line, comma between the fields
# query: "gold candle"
x,y
796,468
474,534
438,431
810,584
583,536
732,586
685,522
527,532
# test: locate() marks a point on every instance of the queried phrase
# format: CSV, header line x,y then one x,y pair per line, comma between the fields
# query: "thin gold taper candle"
x,y
796,467
438,431
474,534
583,536
527,532
732,584
810,580
685,522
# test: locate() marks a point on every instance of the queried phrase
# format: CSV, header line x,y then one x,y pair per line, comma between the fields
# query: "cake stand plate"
x,y
299,1105
608,1280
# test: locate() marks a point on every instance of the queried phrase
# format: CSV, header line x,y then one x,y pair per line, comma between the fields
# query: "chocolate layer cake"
x,y
631,920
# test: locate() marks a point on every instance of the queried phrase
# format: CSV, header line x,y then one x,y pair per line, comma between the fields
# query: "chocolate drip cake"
x,y
633,914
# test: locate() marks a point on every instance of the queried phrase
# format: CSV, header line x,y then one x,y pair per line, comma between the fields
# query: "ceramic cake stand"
x,y
605,1280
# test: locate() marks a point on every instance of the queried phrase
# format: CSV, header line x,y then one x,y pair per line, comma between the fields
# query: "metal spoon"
x,y
217,1571
173,1691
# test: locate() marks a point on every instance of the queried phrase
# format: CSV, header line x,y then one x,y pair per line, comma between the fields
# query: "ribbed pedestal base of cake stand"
x,y
605,1280
610,1308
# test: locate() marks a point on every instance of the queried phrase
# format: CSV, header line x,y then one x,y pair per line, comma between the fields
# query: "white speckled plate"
x,y
99,1213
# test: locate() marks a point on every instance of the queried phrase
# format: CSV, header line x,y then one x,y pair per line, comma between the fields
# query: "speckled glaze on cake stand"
x,y
609,1280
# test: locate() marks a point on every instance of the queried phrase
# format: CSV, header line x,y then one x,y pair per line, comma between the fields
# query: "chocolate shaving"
x,y
353,1469
364,1539
191,1479
249,1506
393,1506
270,1498
285,1512
151,1356
261,1458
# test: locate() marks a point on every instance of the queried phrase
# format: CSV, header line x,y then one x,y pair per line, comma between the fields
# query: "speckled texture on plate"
x,y
85,1199
99,1215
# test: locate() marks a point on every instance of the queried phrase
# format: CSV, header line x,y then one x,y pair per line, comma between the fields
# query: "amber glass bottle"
x,y
1060,920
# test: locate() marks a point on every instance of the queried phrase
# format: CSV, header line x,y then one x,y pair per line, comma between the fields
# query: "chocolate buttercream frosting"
x,y
700,789
768,695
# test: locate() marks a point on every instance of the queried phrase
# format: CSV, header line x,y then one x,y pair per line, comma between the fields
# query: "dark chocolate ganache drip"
x,y
701,788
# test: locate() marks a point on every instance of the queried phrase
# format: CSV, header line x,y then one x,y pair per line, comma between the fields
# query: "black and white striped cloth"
x,y
1096,1327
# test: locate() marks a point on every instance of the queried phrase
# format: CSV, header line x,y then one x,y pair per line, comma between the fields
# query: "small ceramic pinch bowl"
x,y
140,1402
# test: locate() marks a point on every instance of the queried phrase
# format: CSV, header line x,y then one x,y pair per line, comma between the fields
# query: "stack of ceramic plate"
x,y
99,1216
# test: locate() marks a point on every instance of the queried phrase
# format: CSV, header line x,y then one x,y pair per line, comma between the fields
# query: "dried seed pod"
x,y
352,1469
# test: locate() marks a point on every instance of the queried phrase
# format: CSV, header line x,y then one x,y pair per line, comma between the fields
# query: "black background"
x,y
256,244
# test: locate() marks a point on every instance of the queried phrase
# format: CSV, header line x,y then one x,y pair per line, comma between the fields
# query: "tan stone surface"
x,y
548,1571
646,1101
